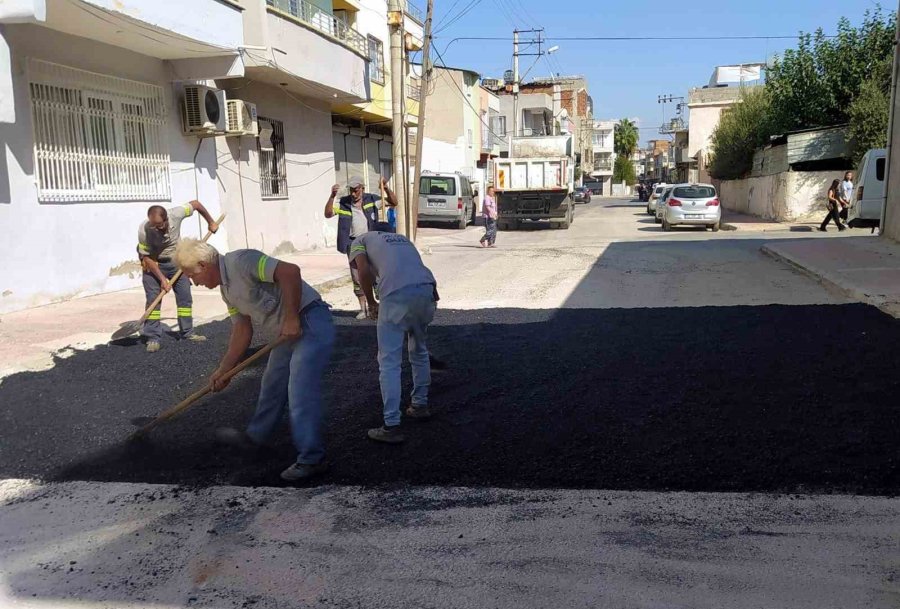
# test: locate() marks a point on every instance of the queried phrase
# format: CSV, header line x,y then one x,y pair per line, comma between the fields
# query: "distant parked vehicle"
x,y
658,190
661,204
692,204
582,195
869,194
446,197
595,188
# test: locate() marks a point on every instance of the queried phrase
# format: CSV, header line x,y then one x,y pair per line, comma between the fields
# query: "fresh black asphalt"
x,y
769,398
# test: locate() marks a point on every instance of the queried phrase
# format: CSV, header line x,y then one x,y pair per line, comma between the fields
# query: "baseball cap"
x,y
354,181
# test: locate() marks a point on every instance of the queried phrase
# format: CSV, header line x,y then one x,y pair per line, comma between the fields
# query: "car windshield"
x,y
667,192
659,190
430,185
695,192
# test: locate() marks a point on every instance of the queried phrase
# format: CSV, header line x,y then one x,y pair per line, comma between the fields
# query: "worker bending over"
x,y
272,294
157,238
409,298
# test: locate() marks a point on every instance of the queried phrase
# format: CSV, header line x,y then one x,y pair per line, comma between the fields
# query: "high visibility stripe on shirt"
x,y
357,248
368,206
184,312
343,212
155,315
188,209
233,310
143,248
261,267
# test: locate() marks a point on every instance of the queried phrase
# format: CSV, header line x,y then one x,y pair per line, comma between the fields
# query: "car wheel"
x,y
650,212
463,220
666,226
715,227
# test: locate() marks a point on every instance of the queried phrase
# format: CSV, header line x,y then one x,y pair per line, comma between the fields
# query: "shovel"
x,y
180,407
130,327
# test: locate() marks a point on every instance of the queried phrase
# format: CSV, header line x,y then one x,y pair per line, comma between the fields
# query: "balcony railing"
x,y
414,89
322,21
603,166
414,12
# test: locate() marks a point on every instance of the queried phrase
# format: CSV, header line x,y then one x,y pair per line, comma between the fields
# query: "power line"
x,y
461,14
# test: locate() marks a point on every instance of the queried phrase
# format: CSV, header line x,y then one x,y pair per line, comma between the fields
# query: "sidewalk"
x,y
865,268
732,220
31,339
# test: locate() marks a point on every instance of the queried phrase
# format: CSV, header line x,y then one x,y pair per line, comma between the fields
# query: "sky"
x,y
625,78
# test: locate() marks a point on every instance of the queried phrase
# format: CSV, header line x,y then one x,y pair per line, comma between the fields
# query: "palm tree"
x,y
626,138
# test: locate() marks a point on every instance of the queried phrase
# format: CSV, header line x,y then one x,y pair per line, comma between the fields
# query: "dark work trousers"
x,y
153,326
832,215
844,212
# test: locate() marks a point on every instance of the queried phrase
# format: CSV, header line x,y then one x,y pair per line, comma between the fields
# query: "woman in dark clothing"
x,y
834,207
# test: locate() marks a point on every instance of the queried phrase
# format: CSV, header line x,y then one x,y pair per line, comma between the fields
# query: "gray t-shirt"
x,y
157,245
248,288
395,261
360,223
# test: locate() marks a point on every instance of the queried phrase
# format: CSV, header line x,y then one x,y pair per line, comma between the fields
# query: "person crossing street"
x,y
357,214
489,211
158,236
408,293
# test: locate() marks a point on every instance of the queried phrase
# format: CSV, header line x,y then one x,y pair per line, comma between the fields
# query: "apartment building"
x,y
603,153
706,106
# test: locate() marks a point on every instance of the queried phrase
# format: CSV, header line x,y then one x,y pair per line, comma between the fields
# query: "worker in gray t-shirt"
x,y
409,298
271,293
158,236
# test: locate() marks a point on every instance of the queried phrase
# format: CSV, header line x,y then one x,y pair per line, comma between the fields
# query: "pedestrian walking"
x,y
408,293
846,192
357,214
833,204
158,237
261,290
489,213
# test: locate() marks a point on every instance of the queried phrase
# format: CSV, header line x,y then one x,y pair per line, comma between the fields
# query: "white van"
x,y
868,195
447,197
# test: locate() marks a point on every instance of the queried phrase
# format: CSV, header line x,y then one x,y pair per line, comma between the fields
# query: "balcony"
x,y
323,21
414,89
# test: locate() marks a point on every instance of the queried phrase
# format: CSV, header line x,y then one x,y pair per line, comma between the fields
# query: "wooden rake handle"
x,y
172,281
188,401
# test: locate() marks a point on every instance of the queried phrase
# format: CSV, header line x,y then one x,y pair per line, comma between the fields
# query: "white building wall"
x,y
57,251
441,156
294,222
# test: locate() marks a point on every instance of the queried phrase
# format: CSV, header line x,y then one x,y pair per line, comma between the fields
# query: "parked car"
x,y
446,197
661,204
869,195
692,204
654,197
582,195
595,188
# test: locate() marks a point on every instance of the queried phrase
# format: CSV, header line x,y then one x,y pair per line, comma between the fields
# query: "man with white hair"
x,y
271,293
357,214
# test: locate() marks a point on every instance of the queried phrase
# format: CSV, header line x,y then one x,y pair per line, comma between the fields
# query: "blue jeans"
x,y
405,313
293,382
152,328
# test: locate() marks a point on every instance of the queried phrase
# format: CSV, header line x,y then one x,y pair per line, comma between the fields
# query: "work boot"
x,y
303,471
153,346
197,338
388,435
235,438
363,308
421,413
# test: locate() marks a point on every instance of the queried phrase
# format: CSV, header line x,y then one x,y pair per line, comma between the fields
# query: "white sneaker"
x,y
153,346
197,338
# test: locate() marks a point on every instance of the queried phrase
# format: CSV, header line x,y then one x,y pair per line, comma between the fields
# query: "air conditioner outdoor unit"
x,y
241,118
204,110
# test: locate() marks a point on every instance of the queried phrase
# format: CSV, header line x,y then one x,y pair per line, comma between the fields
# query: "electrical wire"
x,y
466,100
461,14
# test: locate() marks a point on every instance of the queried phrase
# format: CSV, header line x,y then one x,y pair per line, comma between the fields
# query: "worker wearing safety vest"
x,y
357,214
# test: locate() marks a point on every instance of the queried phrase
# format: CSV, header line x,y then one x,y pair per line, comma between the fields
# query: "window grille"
x,y
376,61
97,137
272,166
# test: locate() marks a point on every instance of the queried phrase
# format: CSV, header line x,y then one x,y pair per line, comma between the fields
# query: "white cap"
x,y
354,181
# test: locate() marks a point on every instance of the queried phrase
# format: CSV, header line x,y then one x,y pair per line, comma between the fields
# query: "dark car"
x,y
582,195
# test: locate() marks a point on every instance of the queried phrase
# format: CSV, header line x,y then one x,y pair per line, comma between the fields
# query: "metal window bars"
x,y
272,164
322,20
97,137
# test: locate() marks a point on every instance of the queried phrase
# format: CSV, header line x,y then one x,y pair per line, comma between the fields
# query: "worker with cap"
x,y
357,214
270,293
157,238
408,294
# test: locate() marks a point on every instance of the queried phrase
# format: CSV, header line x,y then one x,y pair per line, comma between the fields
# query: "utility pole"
x,y
424,84
515,88
395,25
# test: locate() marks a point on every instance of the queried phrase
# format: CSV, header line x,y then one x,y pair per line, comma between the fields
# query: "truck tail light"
x,y
712,203
674,203
859,193
459,203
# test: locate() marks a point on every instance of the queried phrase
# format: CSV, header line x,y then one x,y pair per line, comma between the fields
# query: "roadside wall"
x,y
782,197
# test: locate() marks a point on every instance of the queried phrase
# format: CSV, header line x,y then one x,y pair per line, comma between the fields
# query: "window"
x,y
469,138
879,169
376,61
499,126
272,169
437,186
695,192
97,137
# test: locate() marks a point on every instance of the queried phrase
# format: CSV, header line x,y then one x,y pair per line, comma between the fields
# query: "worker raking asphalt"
x,y
616,398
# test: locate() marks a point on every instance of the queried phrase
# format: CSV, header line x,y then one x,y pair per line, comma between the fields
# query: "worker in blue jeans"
x,y
409,298
269,292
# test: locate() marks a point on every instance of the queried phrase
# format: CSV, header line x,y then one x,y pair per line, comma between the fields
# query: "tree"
x,y
623,170
869,113
741,130
625,138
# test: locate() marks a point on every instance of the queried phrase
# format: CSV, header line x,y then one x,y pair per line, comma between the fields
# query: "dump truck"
x,y
536,182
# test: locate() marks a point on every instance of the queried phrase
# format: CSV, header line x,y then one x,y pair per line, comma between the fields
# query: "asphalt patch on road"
x,y
772,398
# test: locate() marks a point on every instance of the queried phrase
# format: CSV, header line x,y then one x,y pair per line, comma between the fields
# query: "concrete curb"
x,y
834,283
727,226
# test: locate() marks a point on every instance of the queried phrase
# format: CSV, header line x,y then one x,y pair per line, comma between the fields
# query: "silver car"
x,y
658,191
661,204
694,205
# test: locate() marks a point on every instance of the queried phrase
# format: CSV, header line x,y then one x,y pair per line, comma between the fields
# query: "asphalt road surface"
x,y
590,373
